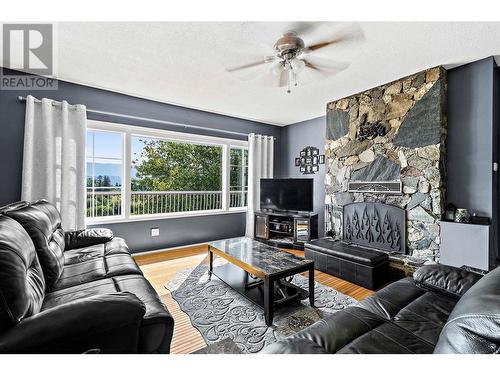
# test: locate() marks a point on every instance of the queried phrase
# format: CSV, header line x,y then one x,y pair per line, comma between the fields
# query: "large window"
x,y
172,176
104,173
135,172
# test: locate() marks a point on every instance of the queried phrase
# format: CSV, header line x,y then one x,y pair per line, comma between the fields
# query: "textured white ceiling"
x,y
184,63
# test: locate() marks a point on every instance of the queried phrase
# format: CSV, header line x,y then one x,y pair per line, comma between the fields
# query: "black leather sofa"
x,y
441,310
70,292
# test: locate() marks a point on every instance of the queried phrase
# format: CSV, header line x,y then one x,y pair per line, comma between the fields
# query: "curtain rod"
x,y
156,121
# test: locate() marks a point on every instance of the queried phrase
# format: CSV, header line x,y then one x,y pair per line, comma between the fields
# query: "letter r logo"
x,y
28,47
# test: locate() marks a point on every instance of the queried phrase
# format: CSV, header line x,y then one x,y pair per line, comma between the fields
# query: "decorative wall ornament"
x,y
382,187
372,130
309,160
462,215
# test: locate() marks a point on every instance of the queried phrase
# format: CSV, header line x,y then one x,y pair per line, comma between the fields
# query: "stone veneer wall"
x,y
389,133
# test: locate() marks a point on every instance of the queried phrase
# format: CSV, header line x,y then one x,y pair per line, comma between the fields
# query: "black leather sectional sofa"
x,y
71,292
441,309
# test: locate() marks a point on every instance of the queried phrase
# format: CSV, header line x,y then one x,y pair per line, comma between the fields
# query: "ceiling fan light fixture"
x,y
277,68
297,65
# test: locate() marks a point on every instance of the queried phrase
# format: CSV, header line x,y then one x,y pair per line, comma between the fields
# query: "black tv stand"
x,y
286,229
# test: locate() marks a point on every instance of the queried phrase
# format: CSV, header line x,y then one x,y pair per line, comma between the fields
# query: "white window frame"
x,y
229,160
128,131
105,158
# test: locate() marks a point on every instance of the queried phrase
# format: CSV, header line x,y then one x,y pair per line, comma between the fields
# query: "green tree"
x,y
106,181
238,165
172,166
98,181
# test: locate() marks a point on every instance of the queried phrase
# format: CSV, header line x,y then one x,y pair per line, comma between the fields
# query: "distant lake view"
x,y
113,171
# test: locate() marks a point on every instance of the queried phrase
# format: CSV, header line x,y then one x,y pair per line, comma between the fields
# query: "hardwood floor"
x,y
161,267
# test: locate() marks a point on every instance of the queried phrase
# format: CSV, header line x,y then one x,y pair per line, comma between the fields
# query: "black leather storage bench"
x,y
362,266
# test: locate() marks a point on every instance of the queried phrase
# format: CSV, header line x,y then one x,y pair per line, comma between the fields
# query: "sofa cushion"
x,y
473,326
114,247
22,286
353,330
43,223
416,310
96,269
354,254
157,326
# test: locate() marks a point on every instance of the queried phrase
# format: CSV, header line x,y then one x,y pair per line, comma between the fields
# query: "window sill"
x,y
178,215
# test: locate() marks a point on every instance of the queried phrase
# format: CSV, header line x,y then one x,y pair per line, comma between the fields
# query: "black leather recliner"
x,y
69,292
442,309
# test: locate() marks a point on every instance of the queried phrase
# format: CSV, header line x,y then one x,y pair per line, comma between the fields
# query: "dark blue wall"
x,y
470,142
173,232
179,231
293,139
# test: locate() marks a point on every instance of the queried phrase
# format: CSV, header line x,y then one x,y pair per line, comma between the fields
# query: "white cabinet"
x,y
465,244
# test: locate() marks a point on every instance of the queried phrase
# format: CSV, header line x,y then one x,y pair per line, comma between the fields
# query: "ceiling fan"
x,y
292,56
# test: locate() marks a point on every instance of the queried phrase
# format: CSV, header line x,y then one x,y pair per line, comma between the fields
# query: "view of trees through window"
x,y
166,176
170,176
238,177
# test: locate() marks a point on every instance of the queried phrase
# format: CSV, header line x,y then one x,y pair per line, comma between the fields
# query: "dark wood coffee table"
x,y
261,273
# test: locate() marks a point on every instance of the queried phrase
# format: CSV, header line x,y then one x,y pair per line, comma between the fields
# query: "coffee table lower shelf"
x,y
255,289
260,272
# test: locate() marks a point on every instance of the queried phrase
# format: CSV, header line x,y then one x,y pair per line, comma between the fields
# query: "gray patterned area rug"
x,y
229,323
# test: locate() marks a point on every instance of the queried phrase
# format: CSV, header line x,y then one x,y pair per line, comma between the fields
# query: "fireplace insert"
x,y
376,225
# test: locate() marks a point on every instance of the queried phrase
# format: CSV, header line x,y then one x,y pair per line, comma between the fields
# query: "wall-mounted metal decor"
x,y
309,160
372,130
380,187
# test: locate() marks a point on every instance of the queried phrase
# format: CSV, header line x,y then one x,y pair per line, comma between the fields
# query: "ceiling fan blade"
x,y
312,66
348,34
265,60
248,75
317,46
326,65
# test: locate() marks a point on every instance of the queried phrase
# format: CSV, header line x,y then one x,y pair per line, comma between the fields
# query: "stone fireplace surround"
x,y
394,132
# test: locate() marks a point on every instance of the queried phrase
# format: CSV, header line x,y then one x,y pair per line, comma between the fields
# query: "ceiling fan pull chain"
x,y
290,77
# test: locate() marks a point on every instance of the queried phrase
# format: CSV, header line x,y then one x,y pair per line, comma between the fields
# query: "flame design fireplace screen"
x,y
377,225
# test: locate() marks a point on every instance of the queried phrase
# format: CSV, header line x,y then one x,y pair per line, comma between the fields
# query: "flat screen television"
x,y
286,194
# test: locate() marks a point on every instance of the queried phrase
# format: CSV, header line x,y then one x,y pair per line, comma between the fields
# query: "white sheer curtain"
x,y
260,165
54,158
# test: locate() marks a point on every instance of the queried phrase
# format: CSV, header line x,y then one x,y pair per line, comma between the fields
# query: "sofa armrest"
x,y
445,279
108,322
87,237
